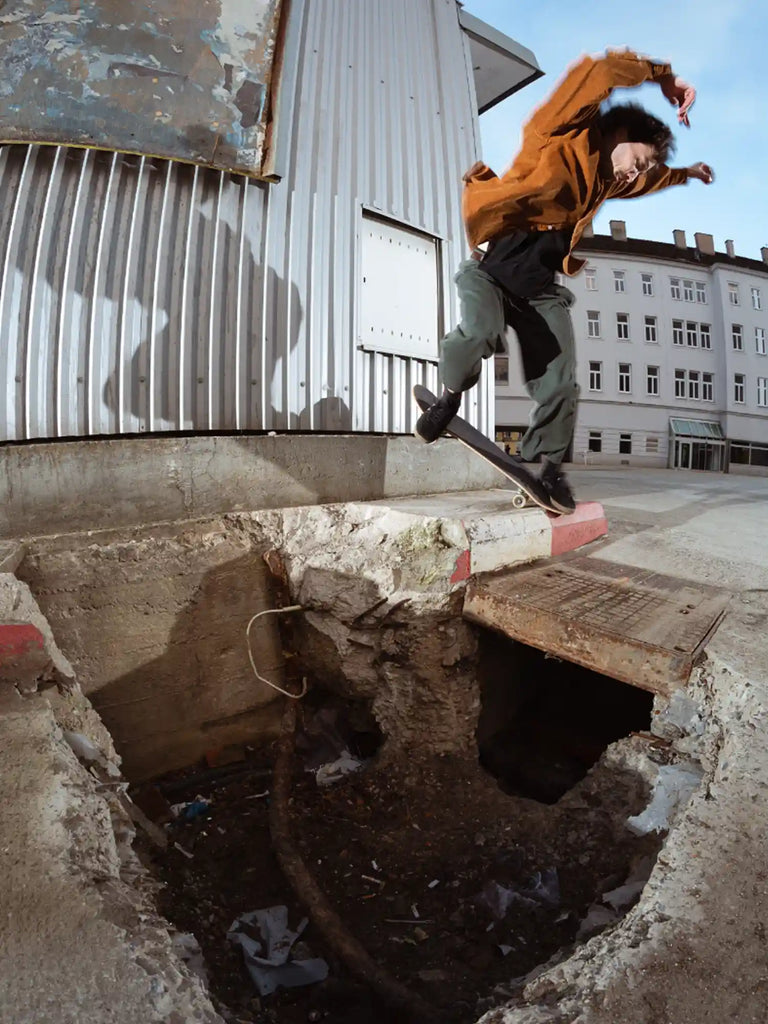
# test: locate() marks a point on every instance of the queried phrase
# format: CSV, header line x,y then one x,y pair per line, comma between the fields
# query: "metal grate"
x,y
638,626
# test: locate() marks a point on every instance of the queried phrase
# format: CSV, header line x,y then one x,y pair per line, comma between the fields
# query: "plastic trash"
x,y
268,958
541,890
331,772
674,786
192,809
544,887
499,899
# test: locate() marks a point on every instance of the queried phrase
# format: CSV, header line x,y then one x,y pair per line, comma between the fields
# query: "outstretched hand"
x,y
703,172
680,95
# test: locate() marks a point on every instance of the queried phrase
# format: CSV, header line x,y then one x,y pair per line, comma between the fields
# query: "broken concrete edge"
x,y
53,488
676,939
28,653
530,535
67,859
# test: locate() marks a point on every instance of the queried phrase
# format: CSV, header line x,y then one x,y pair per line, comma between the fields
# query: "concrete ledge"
x,y
91,485
490,534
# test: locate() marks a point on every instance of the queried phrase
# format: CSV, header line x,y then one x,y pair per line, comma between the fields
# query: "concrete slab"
x,y
94,485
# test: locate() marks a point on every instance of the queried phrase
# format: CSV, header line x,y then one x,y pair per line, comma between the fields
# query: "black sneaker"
x,y
558,488
432,422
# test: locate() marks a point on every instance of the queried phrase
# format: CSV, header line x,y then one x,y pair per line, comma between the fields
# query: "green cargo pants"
x,y
544,332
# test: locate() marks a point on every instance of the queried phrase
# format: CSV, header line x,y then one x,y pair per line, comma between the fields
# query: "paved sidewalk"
x,y
693,950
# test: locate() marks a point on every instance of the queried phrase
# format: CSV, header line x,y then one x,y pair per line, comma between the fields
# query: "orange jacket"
x,y
555,179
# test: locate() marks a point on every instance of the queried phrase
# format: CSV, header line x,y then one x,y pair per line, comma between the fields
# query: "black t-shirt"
x,y
525,263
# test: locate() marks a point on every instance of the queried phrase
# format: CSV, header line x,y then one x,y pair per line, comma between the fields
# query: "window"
x,y
762,391
651,444
501,366
652,380
688,291
760,341
739,383
705,336
756,300
679,383
595,442
625,378
693,384
738,337
647,280
590,278
625,444
707,387
593,323
595,376
733,294
650,329
674,287
701,291
622,326
618,281
677,332
692,334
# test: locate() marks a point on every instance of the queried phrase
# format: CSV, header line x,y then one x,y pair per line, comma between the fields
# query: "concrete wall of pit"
x,y
153,622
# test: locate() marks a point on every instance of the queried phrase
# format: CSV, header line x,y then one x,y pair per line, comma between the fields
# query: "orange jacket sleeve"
x,y
655,180
591,80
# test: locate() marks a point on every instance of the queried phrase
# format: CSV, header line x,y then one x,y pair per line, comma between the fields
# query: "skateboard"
x,y
529,490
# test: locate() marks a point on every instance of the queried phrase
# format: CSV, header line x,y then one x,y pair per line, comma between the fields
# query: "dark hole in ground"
x,y
544,722
451,885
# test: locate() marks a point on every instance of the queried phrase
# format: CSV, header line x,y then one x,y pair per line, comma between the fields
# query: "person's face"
x,y
630,159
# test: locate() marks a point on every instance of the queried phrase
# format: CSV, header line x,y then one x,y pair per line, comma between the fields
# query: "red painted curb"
x,y
463,568
586,524
17,639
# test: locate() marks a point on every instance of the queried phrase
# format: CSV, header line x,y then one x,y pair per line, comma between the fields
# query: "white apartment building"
x,y
672,350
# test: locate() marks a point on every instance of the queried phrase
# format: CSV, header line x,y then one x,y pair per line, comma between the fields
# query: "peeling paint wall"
x,y
166,78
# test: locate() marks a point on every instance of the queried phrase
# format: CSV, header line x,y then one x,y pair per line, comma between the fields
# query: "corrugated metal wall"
x,y
138,294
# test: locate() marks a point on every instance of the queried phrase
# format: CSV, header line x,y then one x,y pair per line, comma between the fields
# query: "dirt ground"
x,y
452,886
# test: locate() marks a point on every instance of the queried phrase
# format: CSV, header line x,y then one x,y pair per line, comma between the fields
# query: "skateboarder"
x,y
523,228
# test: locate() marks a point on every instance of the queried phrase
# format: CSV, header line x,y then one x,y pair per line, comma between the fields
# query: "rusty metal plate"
x,y
641,627
171,78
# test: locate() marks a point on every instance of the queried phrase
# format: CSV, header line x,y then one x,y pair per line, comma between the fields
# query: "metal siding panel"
x,y
151,296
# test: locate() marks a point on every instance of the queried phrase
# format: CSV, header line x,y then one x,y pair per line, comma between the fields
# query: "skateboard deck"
x,y
529,489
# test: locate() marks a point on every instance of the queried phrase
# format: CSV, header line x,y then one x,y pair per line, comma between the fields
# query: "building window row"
x,y
689,384
684,332
687,290
595,443
734,297
737,339
682,289
740,390
692,334
619,281
695,385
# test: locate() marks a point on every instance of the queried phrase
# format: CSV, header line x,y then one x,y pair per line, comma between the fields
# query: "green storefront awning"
x,y
705,429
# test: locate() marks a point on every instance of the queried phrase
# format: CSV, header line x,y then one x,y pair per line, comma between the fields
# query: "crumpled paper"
x,y
268,960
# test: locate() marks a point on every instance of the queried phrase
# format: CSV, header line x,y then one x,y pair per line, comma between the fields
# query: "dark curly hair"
x,y
640,126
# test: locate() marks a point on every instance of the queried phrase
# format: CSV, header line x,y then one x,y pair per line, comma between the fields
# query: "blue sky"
x,y
719,46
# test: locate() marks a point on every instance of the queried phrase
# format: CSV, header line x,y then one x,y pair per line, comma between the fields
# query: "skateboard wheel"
x,y
518,500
